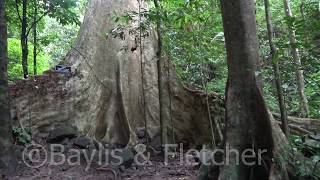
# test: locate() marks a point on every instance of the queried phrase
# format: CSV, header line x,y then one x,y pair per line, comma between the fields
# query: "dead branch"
x,y
298,129
305,125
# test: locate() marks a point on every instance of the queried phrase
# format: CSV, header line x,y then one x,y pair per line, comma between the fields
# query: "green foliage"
x,y
298,144
193,38
21,135
62,10
15,66
57,39
305,23
302,168
55,34
65,11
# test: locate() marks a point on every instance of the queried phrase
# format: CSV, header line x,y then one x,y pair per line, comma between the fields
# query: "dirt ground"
x,y
157,171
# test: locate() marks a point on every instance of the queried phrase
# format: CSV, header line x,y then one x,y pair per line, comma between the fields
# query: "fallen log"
x,y
306,125
291,160
297,130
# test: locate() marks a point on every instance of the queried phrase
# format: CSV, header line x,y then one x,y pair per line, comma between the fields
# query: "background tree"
x,y
35,37
15,67
247,117
297,61
276,70
187,22
61,10
162,79
7,160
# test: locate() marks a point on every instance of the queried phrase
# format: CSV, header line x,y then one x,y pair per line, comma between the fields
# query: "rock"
x,y
90,153
141,133
312,143
82,142
156,143
18,150
65,142
61,132
208,173
312,146
172,173
127,157
206,156
8,163
181,172
144,141
69,177
203,173
154,153
315,137
54,148
65,168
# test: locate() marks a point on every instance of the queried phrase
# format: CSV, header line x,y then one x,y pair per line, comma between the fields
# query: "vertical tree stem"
x,y
276,70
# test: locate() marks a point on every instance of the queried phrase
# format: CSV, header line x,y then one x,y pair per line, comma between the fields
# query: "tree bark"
x,y
248,123
7,160
297,62
35,37
276,71
104,97
162,84
24,39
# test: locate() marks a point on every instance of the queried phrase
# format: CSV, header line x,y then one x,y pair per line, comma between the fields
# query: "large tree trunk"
x,y
276,71
103,97
248,124
297,62
7,161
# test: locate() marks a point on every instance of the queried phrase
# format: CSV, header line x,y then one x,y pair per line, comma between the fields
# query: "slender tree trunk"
x,y
302,5
24,39
210,69
7,162
248,123
35,37
142,67
297,62
276,70
163,90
